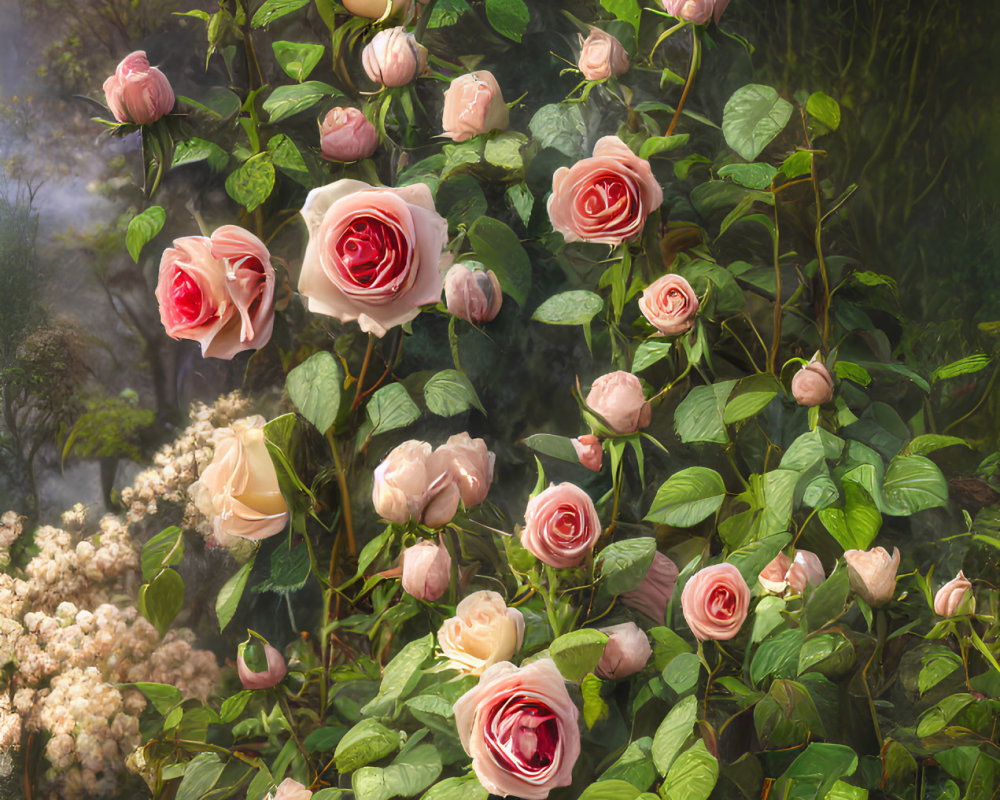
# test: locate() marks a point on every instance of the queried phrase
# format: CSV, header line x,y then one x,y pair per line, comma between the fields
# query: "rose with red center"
x,y
519,725
605,198
561,526
715,602
374,255
670,304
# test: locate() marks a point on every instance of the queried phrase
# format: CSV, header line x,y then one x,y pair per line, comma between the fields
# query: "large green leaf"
x,y
912,484
815,770
693,774
161,599
399,676
201,773
288,100
856,525
648,353
315,386
560,126
228,599
699,416
624,564
752,394
610,790
499,249
251,184
778,656
165,549
673,732
391,408
460,199
575,307
577,653
449,392
688,497
412,771
754,115
297,59
366,742
142,228
509,17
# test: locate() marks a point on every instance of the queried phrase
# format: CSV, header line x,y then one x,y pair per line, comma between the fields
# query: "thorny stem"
x,y
692,71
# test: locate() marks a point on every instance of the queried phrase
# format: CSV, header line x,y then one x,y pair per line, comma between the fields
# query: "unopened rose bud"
x,y
812,385
589,451
472,293
806,570
626,652
266,678
602,56
290,789
345,134
949,598
774,576
873,574
618,398
473,104
653,594
394,57
426,570
699,11
138,92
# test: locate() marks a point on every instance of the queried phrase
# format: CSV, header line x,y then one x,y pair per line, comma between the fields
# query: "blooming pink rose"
x,y
783,573
138,92
472,293
345,134
618,398
483,632
267,678
950,596
411,484
605,198
561,526
394,57
426,570
872,574
812,385
699,11
468,464
589,451
290,789
626,652
670,304
519,725
652,596
601,56
473,104
218,291
715,602
374,255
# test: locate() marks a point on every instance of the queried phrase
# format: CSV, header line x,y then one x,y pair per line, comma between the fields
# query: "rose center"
x,y
523,736
609,195
187,296
674,300
566,522
721,603
372,253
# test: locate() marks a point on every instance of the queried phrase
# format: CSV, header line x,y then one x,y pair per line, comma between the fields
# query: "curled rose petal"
x,y
561,526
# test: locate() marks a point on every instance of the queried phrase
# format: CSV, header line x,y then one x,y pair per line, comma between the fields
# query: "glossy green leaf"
x,y
508,17
815,770
655,145
161,599
391,408
285,101
699,416
673,732
825,109
315,387
228,599
752,176
499,249
297,59
595,708
366,742
412,771
752,395
610,790
194,150
142,228
548,444
577,653
693,774
163,696
468,788
754,115
911,484
624,564
576,307
964,366
270,10
399,676
929,442
778,656
688,497
648,353
560,126
449,392
251,184
503,150
165,549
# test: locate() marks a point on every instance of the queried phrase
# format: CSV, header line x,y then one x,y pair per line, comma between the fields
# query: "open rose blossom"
x,y
589,451
950,596
784,574
873,574
290,789
602,56
483,632
345,134
374,255
561,526
239,490
812,385
670,305
469,464
218,291
715,602
266,678
394,57
520,727
426,570
473,104
138,92
699,11
472,292
618,398
626,652
605,198
652,595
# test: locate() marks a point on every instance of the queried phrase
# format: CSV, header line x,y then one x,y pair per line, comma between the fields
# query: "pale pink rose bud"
x,y
483,632
812,385
374,9
394,57
806,570
410,484
715,602
290,789
267,678
699,11
589,451
345,134
950,596
626,652
774,576
602,56
472,293
426,570
561,526
138,92
473,104
652,596
670,305
468,464
873,574
618,398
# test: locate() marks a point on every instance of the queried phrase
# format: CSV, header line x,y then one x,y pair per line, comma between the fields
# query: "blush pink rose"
x,y
473,104
218,291
266,678
472,293
784,573
483,632
618,398
410,484
652,596
561,526
602,56
345,134
589,451
138,92
872,574
626,652
394,57
426,570
374,255
469,465
670,305
699,11
605,198
812,385
951,596
520,728
715,602
290,789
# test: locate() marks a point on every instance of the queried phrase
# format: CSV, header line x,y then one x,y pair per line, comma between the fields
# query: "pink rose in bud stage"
x,y
394,57
589,451
345,134
375,255
812,385
469,465
561,526
290,789
784,573
626,652
267,678
872,574
950,596
472,293
602,56
670,305
520,727
218,291
483,632
652,596
715,602
699,11
426,570
473,104
411,484
138,92
618,398
774,576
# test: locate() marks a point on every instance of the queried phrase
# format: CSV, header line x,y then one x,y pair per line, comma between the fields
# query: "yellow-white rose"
x,y
483,632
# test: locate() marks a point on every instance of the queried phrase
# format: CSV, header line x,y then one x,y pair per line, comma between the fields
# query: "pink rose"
x,y
602,55
218,291
605,198
483,632
519,725
783,573
290,789
472,293
426,570
374,255
589,451
626,652
394,57
951,596
469,465
812,385
618,398
699,11
411,484
652,596
473,104
345,134
267,678
715,602
138,92
670,305
561,526
873,574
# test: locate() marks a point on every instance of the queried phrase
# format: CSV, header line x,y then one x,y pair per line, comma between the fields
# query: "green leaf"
x,y
752,395
634,765
447,12
161,599
853,372
297,59
504,150
411,772
560,126
797,164
655,145
367,741
929,442
856,525
778,656
449,392
699,416
323,740
288,100
688,497
142,228
233,706
577,653
673,732
521,199
165,549
936,718
289,569
814,772
460,200
548,444
252,183
286,157
912,484
937,663
624,564
681,674
964,366
508,17
825,109
752,558
754,115
467,788
576,307
163,696
752,176
391,408
648,353
218,101
399,677
271,10
595,708
194,150
826,601
693,775
610,790
201,773
499,249
315,387
625,10
229,595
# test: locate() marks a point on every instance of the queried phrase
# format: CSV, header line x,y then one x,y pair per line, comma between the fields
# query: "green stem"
x,y
453,342
425,18
364,369
345,495
692,71
549,596
772,356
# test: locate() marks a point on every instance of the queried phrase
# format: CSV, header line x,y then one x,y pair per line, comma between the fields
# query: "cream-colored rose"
x,y
873,574
483,632
602,56
626,652
473,104
618,398
950,596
